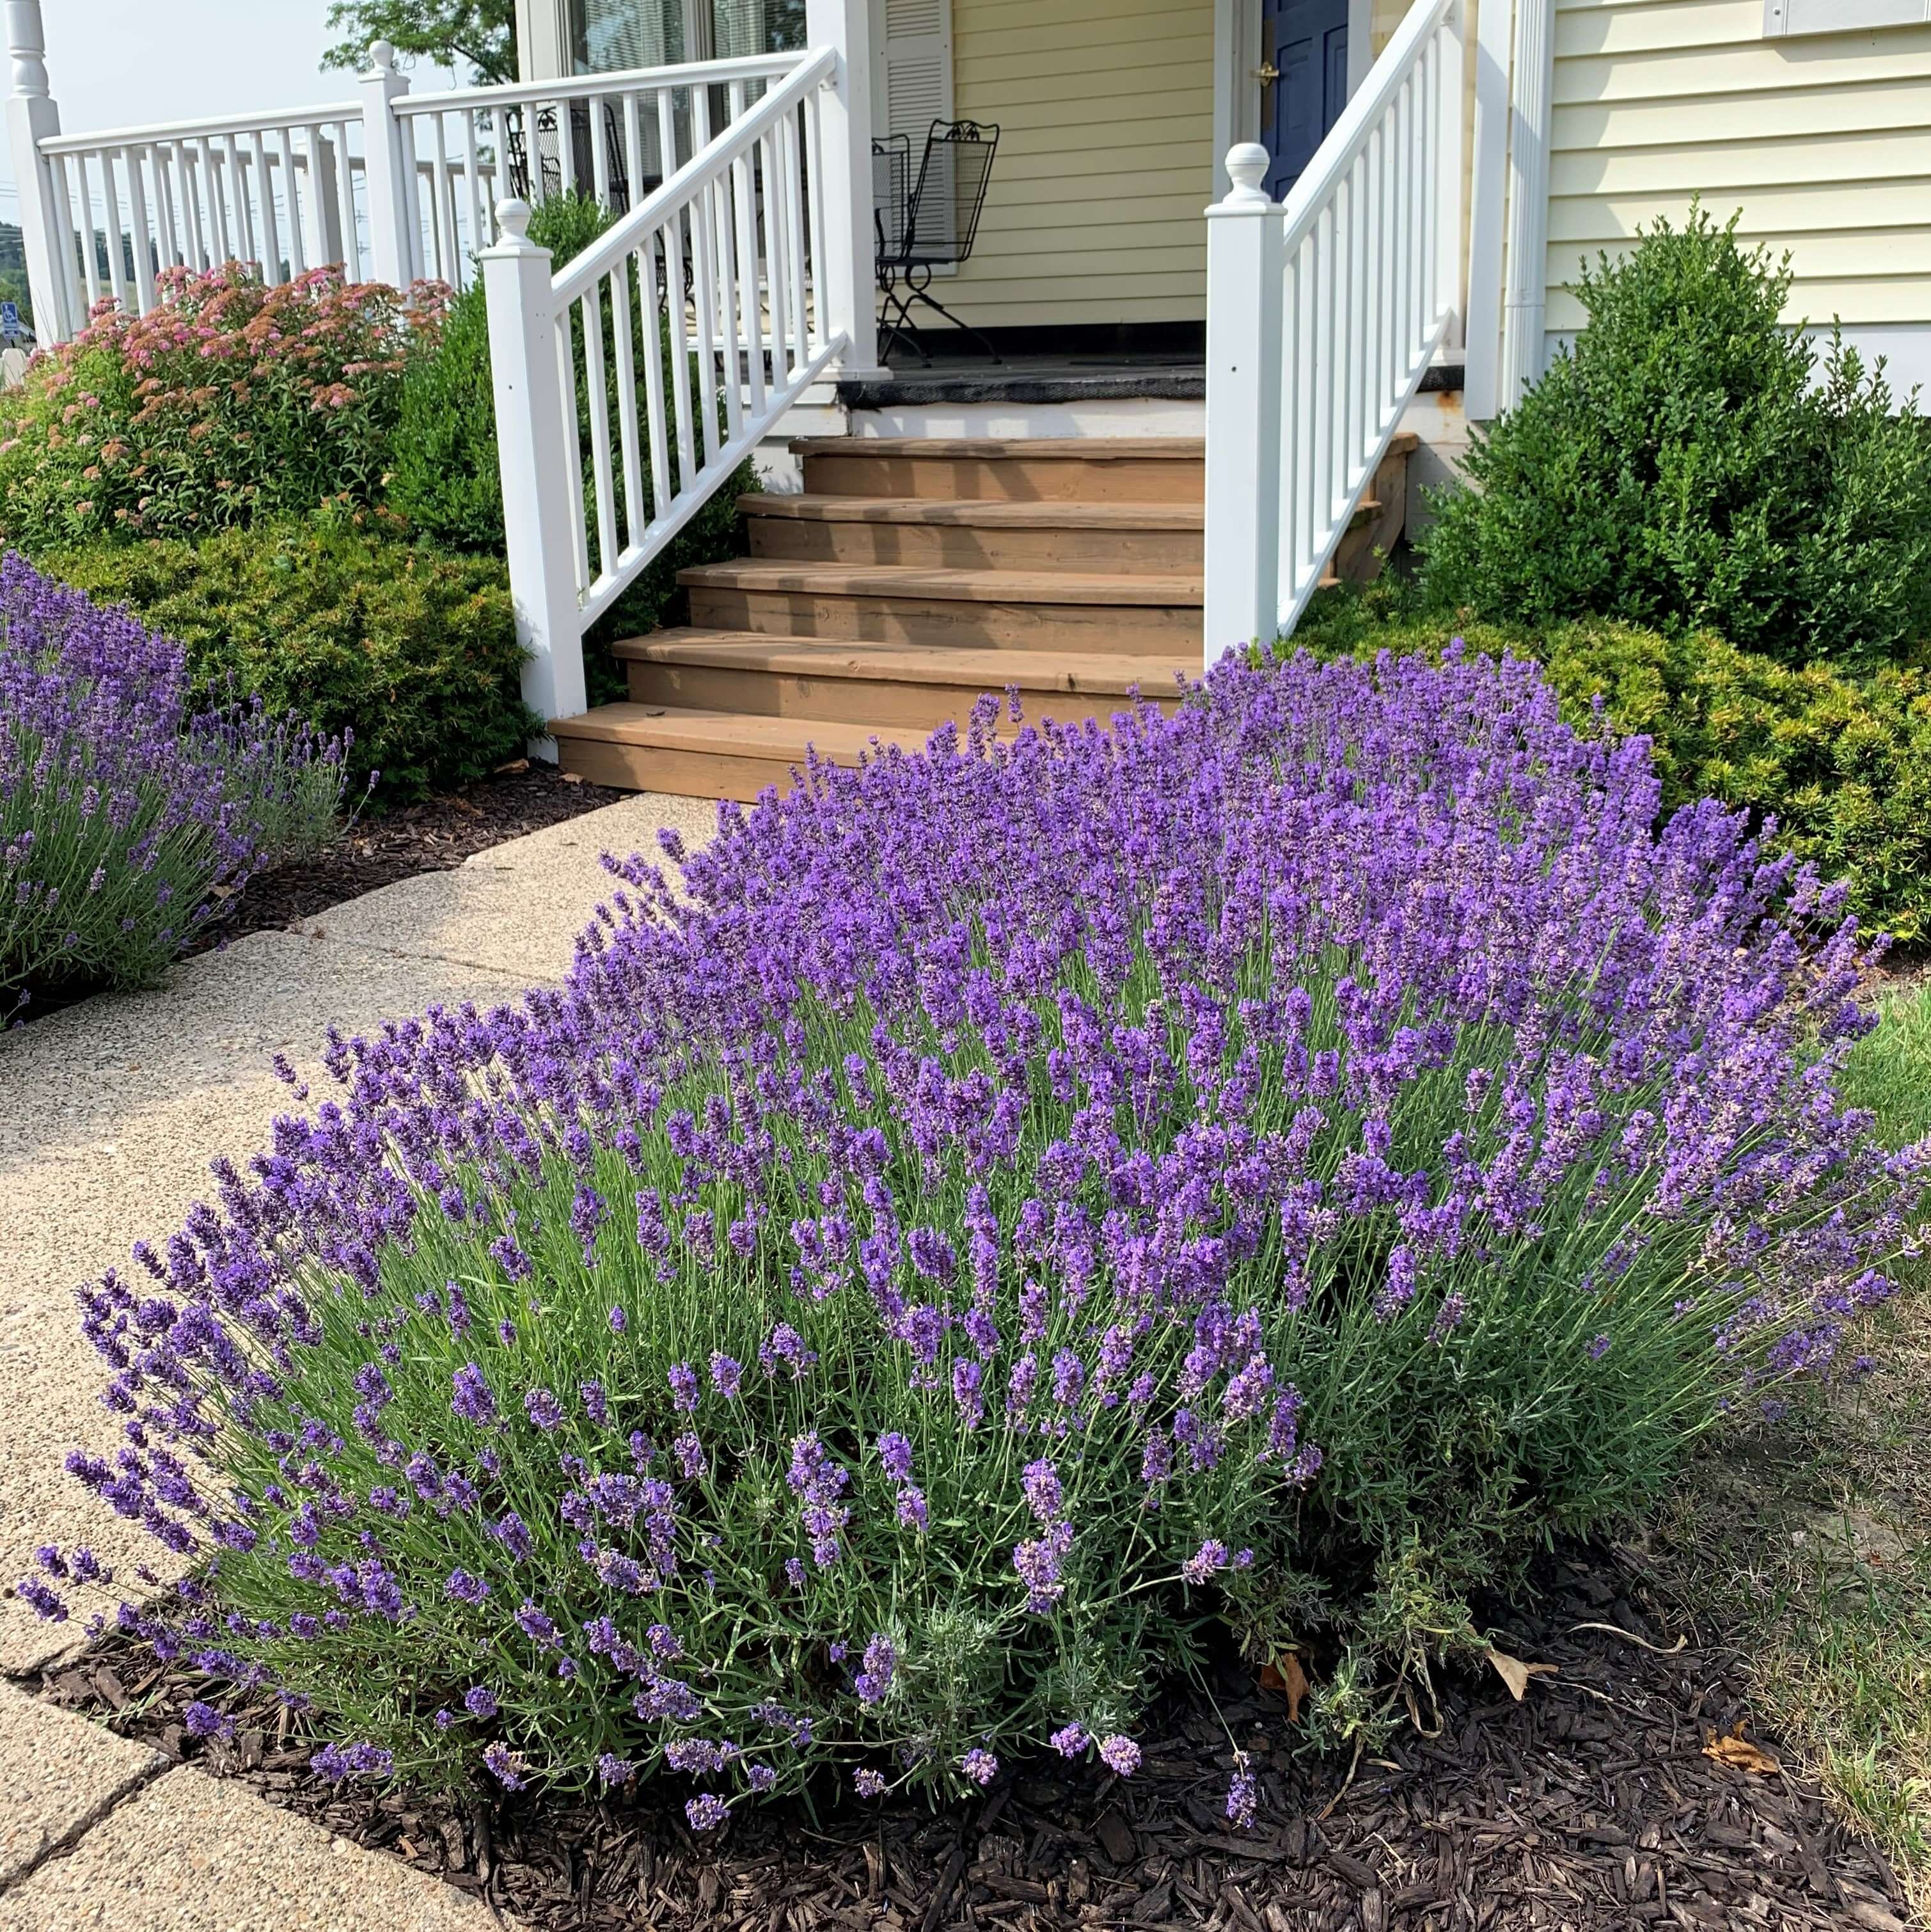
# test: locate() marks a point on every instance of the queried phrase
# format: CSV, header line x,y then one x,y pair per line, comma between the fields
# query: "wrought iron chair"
x,y
927,223
547,179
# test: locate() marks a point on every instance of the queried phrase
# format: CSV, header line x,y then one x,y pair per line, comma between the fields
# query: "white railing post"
x,y
392,241
31,117
1244,274
847,294
542,492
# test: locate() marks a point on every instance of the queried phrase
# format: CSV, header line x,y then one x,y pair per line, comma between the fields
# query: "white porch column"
x,y
389,157
542,489
1526,300
31,117
1245,271
846,290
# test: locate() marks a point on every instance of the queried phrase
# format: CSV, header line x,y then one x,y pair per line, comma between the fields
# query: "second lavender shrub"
x,y
127,814
1276,1163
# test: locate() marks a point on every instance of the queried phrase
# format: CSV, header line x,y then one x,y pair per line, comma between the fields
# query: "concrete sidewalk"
x,y
109,1113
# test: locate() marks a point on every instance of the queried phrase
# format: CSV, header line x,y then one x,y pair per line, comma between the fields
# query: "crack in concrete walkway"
x,y
110,1112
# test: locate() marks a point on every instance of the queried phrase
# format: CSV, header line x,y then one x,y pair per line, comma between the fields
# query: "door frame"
x,y
1236,53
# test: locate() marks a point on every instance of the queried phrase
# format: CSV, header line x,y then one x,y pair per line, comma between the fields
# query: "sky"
x,y
127,63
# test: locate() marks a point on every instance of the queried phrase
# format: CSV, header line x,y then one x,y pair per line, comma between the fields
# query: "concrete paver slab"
x,y
518,907
191,1854
59,1775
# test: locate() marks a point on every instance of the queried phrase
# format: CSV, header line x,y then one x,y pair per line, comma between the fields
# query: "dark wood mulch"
x,y
1590,1805
434,835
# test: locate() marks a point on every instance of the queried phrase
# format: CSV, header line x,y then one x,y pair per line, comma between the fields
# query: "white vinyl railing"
x,y
276,189
394,186
1323,316
670,346
617,136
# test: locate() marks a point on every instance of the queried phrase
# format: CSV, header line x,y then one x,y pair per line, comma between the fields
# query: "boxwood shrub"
x,y
1277,1163
410,649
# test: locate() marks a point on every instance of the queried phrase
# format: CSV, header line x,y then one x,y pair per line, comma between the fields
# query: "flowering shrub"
x,y
1277,1162
229,400
126,815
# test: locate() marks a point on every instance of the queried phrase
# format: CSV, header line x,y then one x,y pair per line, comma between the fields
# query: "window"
x,y
1782,17
609,34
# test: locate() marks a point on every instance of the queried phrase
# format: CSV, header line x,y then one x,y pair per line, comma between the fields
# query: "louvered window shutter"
x,y
912,67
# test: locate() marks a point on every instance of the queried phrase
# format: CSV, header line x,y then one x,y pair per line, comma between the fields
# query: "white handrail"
x,y
1323,316
90,138
621,80
610,247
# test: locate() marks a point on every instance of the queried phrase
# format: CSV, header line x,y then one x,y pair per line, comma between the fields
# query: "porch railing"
x,y
671,347
394,186
1323,316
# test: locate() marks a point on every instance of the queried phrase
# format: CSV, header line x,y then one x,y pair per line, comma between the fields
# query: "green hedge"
x,y
1681,470
1843,763
413,649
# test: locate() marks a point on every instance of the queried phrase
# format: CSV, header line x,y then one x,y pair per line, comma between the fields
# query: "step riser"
x,y
694,774
1129,630
1008,478
892,704
953,547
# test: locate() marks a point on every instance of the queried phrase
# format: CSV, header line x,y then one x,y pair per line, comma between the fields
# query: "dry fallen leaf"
x,y
1288,1678
1737,1751
1516,1674
514,765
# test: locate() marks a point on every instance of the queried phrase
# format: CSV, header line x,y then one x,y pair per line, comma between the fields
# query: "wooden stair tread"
x,y
1000,512
1062,671
993,448
969,586
670,728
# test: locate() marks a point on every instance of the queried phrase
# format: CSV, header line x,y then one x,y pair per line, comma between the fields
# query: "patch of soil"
x,y
433,836
1592,1805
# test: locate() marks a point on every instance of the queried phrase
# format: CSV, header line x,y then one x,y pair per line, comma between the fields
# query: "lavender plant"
x,y
126,816
1272,1163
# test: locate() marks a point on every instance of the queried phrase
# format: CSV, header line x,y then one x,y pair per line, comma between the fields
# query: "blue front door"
x,y
1304,43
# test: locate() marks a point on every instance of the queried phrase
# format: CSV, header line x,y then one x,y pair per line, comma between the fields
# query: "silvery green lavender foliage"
x,y
1275,1162
125,816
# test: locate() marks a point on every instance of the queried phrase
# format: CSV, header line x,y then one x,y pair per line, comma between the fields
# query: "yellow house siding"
x,y
1823,142
1105,159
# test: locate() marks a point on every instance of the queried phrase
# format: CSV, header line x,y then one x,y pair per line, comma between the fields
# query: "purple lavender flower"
x,y
1243,1794
683,1379
544,1409
1070,1740
472,1398
1210,1557
895,1451
505,1766
612,1769
727,1375
867,1784
480,1701
981,1766
1120,1754
204,1720
875,1680
706,1811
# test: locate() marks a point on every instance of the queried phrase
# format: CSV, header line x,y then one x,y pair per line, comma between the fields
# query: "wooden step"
x,y
700,753
998,610
1128,538
894,687
1084,469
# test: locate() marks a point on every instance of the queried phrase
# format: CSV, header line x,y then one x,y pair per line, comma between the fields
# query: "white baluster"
x,y
1243,407
543,519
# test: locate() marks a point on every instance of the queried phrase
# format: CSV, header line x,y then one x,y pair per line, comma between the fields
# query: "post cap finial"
x,y
513,218
26,43
1246,167
382,54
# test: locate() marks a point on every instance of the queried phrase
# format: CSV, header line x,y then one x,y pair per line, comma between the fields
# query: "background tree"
x,y
480,34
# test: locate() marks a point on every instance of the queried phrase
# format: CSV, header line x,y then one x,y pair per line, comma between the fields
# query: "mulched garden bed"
x,y
434,835
1592,1805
